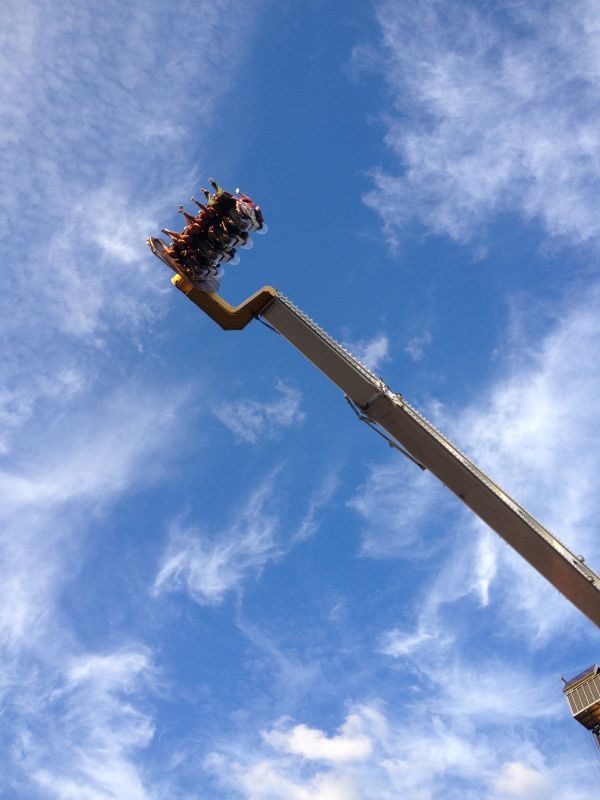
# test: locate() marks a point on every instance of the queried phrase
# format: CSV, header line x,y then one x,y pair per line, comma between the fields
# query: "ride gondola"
x,y
211,237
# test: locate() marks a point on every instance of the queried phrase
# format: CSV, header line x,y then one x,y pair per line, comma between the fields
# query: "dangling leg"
x,y
176,237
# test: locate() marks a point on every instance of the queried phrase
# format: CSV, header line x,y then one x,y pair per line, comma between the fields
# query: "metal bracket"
x,y
373,425
230,318
267,324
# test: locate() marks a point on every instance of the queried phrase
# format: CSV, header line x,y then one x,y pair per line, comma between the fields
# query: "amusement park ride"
x,y
210,239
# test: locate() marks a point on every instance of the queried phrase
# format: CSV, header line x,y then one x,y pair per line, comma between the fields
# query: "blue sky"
x,y
215,583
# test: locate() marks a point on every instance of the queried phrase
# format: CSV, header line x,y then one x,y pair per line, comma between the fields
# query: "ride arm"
x,y
566,571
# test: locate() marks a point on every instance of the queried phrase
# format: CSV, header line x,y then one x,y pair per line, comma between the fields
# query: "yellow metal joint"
x,y
230,318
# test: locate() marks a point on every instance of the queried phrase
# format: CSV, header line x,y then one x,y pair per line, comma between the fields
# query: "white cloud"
x,y
371,352
207,569
81,86
110,445
398,643
73,733
95,730
394,502
265,780
89,164
68,721
416,346
495,110
105,672
350,744
260,776
463,571
107,439
492,689
319,501
255,420
421,752
520,780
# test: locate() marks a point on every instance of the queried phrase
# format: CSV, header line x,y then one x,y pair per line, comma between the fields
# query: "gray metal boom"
x,y
423,443
563,569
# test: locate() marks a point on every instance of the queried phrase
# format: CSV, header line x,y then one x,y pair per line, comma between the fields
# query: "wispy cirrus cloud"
x,y
70,728
416,346
495,110
254,420
96,457
97,110
90,746
83,87
393,503
61,474
88,165
208,567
